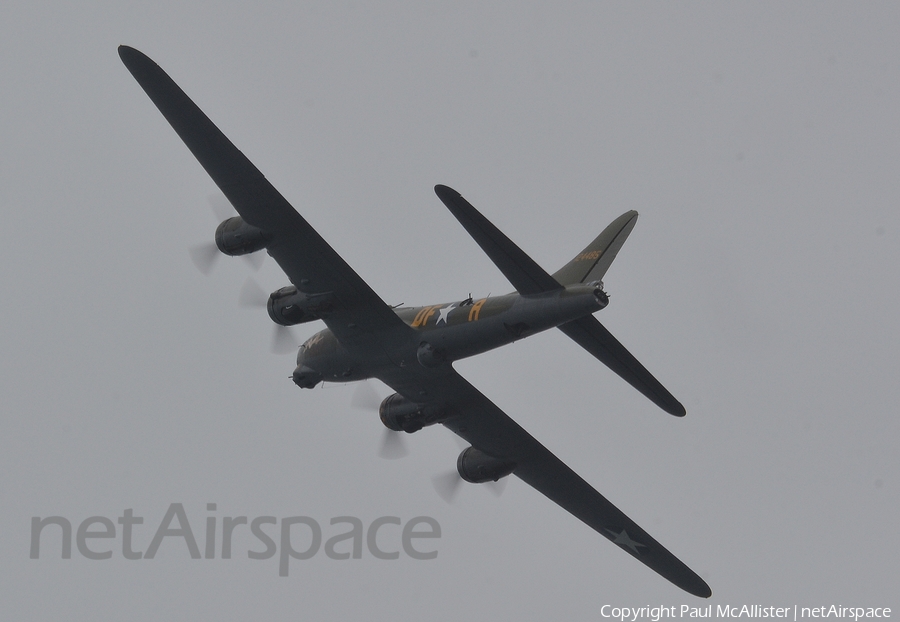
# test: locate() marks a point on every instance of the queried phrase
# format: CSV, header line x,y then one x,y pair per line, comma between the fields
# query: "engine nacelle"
x,y
288,306
477,467
399,414
235,237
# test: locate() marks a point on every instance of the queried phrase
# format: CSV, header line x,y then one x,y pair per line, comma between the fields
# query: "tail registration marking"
x,y
589,255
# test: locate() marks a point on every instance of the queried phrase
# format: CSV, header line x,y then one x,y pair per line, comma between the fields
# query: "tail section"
x,y
592,263
527,276
589,265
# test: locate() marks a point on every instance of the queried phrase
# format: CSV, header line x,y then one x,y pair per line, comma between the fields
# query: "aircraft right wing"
x,y
486,427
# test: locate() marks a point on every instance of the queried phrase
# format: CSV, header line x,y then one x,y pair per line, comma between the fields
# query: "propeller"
x,y
393,445
206,254
447,485
220,206
252,295
499,486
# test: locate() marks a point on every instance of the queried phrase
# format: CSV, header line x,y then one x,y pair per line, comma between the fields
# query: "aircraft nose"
x,y
305,377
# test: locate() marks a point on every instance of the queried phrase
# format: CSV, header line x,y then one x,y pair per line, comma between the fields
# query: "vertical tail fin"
x,y
593,262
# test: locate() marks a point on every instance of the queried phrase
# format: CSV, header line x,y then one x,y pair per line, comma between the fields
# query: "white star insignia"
x,y
444,313
624,540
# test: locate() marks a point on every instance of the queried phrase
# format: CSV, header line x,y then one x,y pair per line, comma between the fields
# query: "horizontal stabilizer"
x,y
593,337
592,263
521,270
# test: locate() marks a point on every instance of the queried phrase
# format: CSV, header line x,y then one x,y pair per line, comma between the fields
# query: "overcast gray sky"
x,y
760,143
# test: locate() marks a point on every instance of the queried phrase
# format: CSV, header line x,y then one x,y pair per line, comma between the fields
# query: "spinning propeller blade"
x,y
252,295
205,255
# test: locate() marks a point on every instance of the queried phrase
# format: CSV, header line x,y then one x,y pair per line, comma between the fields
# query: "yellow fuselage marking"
x,y
422,316
476,309
426,313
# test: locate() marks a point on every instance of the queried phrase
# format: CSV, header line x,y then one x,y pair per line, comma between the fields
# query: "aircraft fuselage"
x,y
450,331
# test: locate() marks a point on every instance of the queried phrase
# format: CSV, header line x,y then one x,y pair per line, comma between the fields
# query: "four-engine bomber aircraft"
x,y
412,349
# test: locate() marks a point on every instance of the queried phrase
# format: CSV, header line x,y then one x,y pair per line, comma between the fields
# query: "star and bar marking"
x,y
624,540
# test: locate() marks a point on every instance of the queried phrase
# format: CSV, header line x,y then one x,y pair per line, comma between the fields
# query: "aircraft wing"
x,y
310,263
487,428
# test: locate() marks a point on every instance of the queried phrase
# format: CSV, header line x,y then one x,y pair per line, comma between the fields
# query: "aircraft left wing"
x,y
307,259
486,427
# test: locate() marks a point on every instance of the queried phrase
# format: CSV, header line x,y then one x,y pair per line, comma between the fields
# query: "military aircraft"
x,y
412,350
